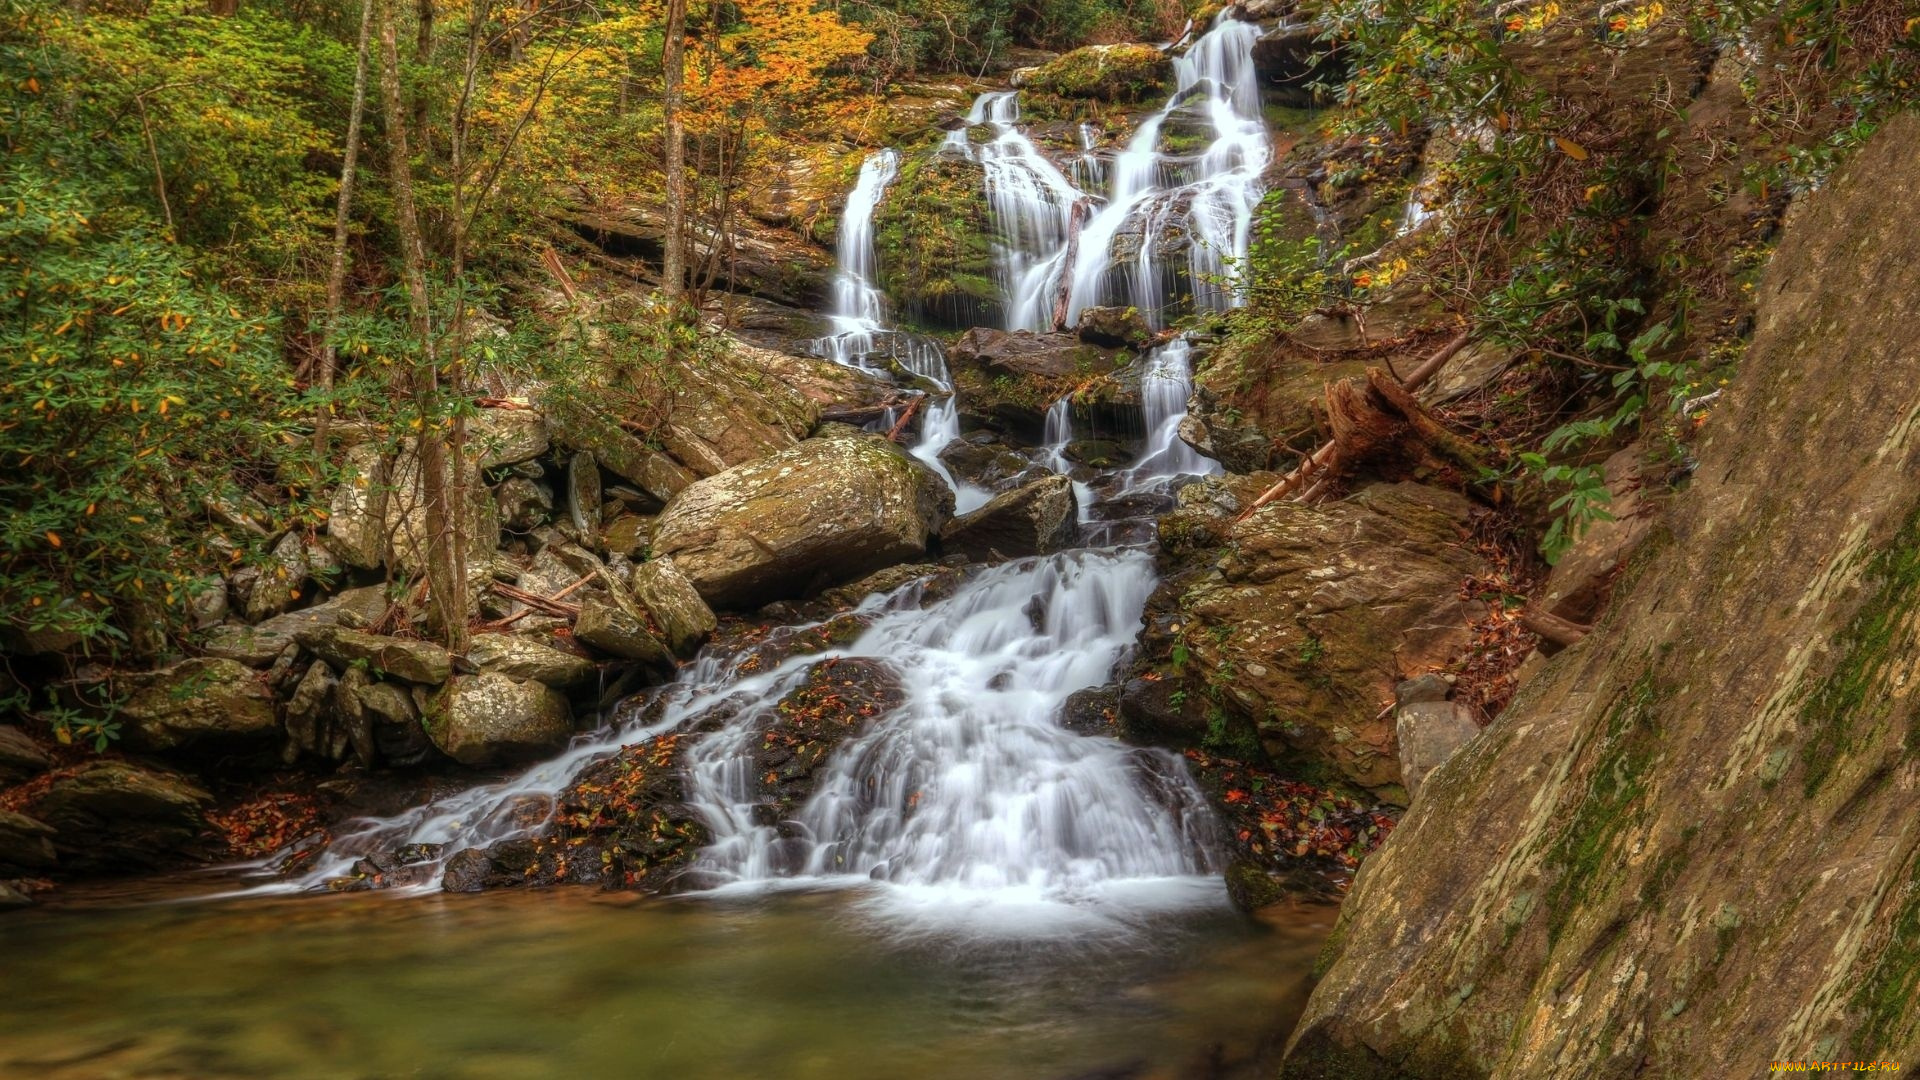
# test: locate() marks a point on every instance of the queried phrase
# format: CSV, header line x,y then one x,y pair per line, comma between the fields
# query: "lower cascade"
x,y
966,789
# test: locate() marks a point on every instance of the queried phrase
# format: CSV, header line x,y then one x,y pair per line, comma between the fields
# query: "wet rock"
x,y
522,657
25,844
839,698
20,756
934,239
11,897
1031,520
1114,328
1291,59
825,511
931,583
497,437
1118,73
489,719
619,629
114,815
206,703
1009,379
1093,711
980,458
415,661
1098,453
469,871
683,617
774,264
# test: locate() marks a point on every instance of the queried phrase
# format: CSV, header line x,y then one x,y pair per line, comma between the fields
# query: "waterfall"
x,y
860,332
1053,245
1164,391
969,795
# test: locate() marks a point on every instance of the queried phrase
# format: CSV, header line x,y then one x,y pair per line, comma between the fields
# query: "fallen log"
x,y
1553,628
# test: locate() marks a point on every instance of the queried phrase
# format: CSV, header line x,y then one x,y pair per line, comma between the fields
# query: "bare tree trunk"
x,y
342,215
673,262
447,593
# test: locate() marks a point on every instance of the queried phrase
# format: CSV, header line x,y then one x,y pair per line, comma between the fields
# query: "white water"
x,y
860,332
1059,255
968,807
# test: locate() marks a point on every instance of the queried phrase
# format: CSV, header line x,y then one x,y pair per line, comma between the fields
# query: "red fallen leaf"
x,y
1236,796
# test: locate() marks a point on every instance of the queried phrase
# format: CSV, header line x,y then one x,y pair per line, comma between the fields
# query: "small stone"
x,y
497,437
614,629
20,756
24,842
1429,732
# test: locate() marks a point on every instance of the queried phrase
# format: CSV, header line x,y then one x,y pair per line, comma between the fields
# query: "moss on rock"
x,y
934,241
1121,73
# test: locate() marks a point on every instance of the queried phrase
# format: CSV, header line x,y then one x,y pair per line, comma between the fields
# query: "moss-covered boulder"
x,y
1284,640
489,718
112,816
1119,73
205,703
933,237
1009,379
818,514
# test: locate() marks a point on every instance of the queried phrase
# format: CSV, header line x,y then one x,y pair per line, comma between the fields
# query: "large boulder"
x,y
1688,845
1300,624
261,644
1029,520
115,815
489,719
617,626
206,703
357,510
1010,378
404,522
1117,73
311,716
497,437
821,513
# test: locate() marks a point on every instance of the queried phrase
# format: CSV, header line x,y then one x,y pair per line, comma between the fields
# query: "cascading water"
x,y
860,332
1059,259
969,795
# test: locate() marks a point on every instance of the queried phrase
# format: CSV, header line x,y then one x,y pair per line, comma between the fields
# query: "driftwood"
x,y
1325,457
551,605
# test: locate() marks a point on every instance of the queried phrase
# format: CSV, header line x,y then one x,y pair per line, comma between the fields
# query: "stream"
x,y
972,890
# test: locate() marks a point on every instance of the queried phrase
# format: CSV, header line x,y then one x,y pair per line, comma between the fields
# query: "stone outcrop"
x,y
1689,845
208,704
1119,73
1296,624
683,617
115,815
1029,520
1010,378
823,512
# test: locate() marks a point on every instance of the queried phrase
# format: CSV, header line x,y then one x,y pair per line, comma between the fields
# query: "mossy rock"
x,y
1121,73
934,241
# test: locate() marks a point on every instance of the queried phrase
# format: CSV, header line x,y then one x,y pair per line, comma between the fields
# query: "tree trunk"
x,y
447,590
342,215
673,262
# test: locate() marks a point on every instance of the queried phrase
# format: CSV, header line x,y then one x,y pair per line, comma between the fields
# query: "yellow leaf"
x,y
1570,148
53,538
65,736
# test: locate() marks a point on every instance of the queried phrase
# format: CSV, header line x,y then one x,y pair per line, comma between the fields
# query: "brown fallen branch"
x,y
1329,451
548,605
905,418
551,260
1553,628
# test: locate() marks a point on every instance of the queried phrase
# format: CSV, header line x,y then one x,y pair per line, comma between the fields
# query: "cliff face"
x,y
1692,845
